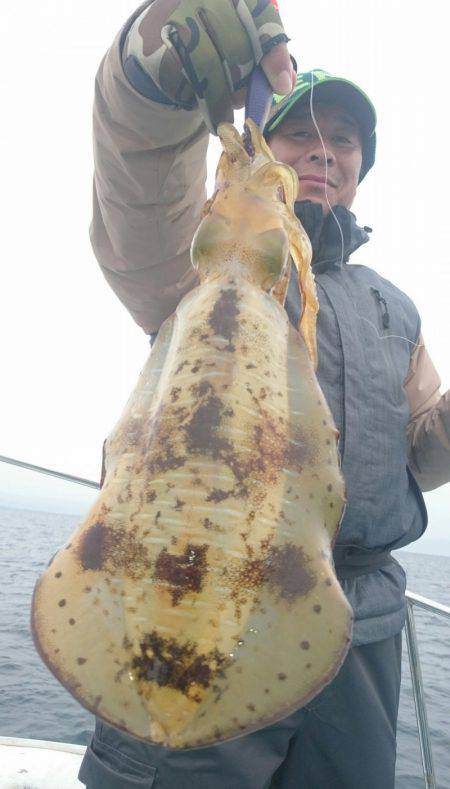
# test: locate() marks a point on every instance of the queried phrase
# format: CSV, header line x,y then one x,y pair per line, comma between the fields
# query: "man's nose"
x,y
317,154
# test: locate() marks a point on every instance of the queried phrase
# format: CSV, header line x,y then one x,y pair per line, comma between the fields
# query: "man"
x,y
150,126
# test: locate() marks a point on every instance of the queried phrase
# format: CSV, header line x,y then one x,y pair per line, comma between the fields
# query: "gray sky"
x,y
70,352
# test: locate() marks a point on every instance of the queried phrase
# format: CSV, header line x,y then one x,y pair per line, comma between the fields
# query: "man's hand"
x,y
277,65
209,50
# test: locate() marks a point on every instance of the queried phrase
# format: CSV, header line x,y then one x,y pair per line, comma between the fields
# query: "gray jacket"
x,y
365,332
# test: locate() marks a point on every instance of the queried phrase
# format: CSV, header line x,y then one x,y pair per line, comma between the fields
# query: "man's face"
x,y
297,143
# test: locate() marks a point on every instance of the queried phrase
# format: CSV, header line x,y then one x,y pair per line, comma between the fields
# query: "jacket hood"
x,y
324,234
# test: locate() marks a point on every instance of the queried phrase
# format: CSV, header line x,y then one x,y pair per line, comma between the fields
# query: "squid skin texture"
x,y
197,601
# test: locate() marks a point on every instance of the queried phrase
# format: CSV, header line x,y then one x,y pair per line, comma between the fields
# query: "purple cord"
x,y
259,98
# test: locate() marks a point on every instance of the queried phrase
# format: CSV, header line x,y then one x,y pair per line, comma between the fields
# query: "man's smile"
x,y
317,179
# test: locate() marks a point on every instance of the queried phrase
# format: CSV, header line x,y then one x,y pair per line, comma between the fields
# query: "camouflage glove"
x,y
200,52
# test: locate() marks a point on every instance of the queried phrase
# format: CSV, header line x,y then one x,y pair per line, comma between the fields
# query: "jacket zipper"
x,y
342,434
385,317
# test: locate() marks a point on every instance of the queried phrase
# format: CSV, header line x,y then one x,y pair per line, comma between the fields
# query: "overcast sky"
x,y
71,354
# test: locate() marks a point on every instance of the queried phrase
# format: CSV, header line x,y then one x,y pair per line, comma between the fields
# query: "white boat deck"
x,y
39,764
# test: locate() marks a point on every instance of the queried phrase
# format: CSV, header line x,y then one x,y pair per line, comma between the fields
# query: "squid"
x,y
197,600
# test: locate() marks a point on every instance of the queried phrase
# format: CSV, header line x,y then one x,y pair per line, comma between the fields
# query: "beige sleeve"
x,y
149,190
428,430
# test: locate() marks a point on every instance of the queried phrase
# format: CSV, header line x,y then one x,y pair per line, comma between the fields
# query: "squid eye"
x,y
281,194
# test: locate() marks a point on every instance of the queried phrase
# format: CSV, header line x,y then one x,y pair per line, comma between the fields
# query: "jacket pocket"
x,y
393,375
104,767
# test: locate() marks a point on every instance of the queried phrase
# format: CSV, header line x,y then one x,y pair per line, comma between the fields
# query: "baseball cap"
x,y
342,92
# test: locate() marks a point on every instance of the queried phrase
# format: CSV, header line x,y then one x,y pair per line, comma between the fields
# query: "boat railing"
x,y
417,681
411,639
50,472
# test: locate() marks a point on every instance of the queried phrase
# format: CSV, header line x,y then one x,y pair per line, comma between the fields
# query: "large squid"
x,y
197,600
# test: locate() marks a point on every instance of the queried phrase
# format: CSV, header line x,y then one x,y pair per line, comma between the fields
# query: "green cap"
x,y
340,91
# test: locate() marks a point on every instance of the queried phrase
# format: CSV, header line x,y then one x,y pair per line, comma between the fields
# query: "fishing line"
x,y
326,165
380,337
